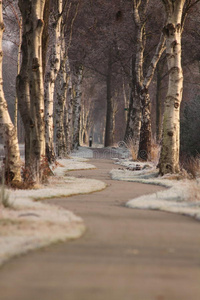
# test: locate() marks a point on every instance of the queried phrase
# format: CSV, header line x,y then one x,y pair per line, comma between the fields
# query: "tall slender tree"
x,y
30,87
139,122
77,107
176,12
54,62
7,130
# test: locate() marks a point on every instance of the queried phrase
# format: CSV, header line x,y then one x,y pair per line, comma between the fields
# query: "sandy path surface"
x,y
125,254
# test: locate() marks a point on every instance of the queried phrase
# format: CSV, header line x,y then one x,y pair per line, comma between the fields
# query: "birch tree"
x,y
133,125
77,107
54,61
8,132
176,12
30,87
86,120
109,102
142,97
64,93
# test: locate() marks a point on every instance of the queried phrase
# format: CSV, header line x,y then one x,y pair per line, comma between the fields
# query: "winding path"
x,y
125,254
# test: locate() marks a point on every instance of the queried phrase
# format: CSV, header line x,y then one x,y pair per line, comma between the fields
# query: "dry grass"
x,y
155,151
132,149
191,165
4,196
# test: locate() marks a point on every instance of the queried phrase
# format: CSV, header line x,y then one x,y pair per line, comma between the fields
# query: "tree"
x,y
77,106
109,111
30,87
139,121
176,12
7,130
64,84
54,65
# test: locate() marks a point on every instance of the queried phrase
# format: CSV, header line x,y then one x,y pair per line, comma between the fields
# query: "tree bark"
x,y
109,109
142,83
30,87
69,116
169,159
61,145
159,101
18,69
12,167
77,107
51,79
45,35
132,134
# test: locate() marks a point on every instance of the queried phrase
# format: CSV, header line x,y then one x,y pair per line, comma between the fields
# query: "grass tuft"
x,y
4,199
191,165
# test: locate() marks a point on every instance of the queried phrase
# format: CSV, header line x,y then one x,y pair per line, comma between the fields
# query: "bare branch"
x,y
151,70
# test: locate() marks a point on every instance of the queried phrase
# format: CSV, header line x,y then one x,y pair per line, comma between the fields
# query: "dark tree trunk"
x,y
109,111
160,66
145,131
45,35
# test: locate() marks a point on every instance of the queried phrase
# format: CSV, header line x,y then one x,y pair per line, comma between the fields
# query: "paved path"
x,y
125,254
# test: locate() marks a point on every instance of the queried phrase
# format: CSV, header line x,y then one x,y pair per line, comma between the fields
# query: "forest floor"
x,y
124,253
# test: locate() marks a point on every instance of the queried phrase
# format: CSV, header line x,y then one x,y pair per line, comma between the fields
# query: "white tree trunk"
x,y
7,130
55,58
169,159
77,107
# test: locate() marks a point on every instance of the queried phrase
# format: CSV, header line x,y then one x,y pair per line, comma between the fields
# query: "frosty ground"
x,y
181,196
29,224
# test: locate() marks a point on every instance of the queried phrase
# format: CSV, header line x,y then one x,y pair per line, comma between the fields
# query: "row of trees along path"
x,y
39,83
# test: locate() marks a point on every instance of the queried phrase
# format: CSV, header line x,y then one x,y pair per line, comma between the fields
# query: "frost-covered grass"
x,y
181,196
31,224
82,152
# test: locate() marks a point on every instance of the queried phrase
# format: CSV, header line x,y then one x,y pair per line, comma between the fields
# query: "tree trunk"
x,y
77,107
61,145
50,80
144,151
142,83
132,133
18,69
45,35
70,96
169,159
30,86
109,109
145,131
159,102
8,132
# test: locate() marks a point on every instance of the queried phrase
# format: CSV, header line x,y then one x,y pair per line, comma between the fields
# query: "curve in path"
x,y
125,254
